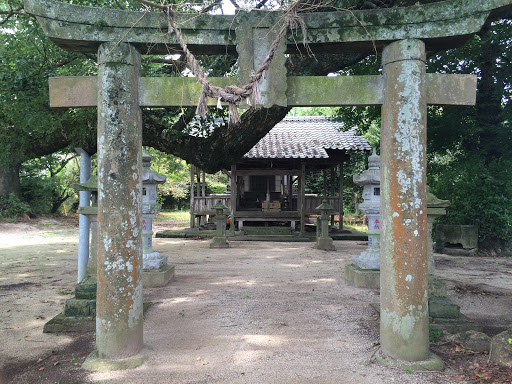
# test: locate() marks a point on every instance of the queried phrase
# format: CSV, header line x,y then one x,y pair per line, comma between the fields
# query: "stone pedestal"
x,y
362,278
219,240
323,241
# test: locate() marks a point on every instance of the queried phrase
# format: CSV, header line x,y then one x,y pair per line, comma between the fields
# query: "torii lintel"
x,y
440,25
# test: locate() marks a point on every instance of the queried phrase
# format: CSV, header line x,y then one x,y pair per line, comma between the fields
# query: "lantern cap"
x,y
324,206
150,176
90,185
434,202
219,205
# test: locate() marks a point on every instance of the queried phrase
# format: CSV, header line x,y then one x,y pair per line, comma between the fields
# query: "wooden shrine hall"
x,y
268,183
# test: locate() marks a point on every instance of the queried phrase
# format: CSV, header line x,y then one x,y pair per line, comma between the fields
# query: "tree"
x,y
469,148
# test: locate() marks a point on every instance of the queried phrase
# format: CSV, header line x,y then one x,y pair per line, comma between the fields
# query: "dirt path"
x,y
255,313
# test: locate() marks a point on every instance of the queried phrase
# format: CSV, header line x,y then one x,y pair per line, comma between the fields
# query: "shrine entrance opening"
x,y
404,90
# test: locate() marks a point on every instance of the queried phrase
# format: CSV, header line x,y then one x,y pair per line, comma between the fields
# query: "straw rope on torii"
x,y
232,94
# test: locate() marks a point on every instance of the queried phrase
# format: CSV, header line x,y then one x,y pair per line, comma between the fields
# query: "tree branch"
x,y
226,145
237,7
261,4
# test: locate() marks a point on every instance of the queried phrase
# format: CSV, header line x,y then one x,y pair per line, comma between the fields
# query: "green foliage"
x,y
434,334
479,193
175,193
46,182
12,207
470,148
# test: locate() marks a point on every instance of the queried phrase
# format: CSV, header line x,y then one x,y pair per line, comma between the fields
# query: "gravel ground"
x,y
257,312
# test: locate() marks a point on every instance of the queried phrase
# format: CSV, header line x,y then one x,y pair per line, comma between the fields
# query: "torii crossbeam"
x,y
404,90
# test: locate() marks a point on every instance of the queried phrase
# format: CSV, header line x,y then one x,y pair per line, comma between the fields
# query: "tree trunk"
x,y
10,180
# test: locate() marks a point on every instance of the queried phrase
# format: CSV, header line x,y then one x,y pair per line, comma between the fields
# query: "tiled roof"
x,y
305,138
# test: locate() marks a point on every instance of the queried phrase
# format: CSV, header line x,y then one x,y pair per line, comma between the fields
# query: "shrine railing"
x,y
314,201
203,205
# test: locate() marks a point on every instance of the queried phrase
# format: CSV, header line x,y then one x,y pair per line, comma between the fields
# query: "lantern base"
x,y
368,259
219,242
153,261
363,278
157,277
325,243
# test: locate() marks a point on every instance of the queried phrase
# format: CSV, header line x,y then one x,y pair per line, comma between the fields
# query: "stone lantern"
x,y
91,212
156,271
79,312
324,241
219,241
370,180
365,268
435,208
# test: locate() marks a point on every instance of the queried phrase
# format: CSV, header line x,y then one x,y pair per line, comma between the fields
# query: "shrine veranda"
x,y
402,37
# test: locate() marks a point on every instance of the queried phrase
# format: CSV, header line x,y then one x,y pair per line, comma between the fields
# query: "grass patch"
x,y
356,226
180,218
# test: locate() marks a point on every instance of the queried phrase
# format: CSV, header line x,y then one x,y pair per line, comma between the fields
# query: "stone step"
x,y
80,307
86,289
283,238
272,231
443,307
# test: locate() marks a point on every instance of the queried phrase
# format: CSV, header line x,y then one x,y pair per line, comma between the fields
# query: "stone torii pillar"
x,y
119,293
404,265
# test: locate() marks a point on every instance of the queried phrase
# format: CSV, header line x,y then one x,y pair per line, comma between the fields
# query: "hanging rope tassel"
x,y
219,105
257,99
234,117
202,106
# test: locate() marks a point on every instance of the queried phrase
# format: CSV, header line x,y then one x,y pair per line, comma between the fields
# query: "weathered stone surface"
x,y
363,278
86,289
431,363
94,363
404,270
464,235
254,36
153,260
219,242
363,30
119,293
455,325
501,349
436,287
63,323
474,340
301,91
80,307
370,180
435,208
443,307
159,277
325,243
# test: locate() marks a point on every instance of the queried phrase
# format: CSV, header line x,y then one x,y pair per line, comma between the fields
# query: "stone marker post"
x,y
404,265
219,241
83,220
324,241
91,212
119,292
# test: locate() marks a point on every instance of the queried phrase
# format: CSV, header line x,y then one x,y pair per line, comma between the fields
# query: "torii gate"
x,y
404,90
